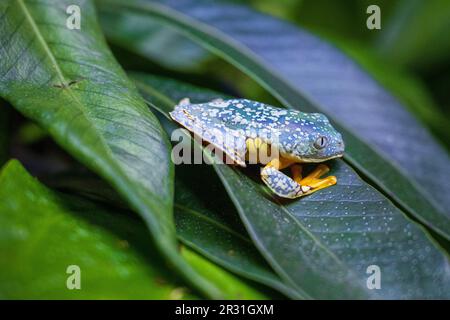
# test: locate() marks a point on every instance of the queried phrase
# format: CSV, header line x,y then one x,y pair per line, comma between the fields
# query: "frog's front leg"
x,y
285,187
278,182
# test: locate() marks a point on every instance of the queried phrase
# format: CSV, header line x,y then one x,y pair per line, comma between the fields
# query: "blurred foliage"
x,y
417,35
345,18
30,132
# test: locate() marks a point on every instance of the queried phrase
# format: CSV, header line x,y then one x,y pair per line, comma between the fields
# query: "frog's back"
x,y
250,119
241,114
212,122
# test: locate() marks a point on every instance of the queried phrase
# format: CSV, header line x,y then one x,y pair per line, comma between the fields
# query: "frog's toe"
x,y
281,184
319,171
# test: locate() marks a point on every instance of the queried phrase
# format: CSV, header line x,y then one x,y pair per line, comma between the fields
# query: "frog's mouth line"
x,y
312,160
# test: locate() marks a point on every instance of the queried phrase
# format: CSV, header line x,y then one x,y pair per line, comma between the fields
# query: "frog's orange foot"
x,y
312,182
295,187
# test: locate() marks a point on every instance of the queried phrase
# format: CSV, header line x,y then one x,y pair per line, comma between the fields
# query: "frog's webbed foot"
x,y
294,187
312,181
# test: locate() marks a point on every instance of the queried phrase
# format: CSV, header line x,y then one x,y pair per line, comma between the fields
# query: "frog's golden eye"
x,y
321,142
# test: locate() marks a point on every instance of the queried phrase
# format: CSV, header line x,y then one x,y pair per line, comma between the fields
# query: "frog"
x,y
288,137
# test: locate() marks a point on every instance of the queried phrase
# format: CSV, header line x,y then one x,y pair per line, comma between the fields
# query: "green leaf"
x,y
410,35
323,244
43,232
231,287
167,47
383,140
206,220
69,83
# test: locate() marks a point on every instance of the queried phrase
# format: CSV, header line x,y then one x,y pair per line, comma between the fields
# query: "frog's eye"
x,y
320,142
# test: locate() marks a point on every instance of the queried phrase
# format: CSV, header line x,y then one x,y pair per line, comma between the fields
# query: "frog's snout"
x,y
335,148
340,145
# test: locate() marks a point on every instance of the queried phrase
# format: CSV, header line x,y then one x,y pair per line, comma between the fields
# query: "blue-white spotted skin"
x,y
281,184
303,137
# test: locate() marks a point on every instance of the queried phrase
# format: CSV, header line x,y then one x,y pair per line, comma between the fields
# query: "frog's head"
x,y
318,140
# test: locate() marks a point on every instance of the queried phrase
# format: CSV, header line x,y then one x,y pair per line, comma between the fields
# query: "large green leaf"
x,y
43,232
383,140
322,245
68,82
